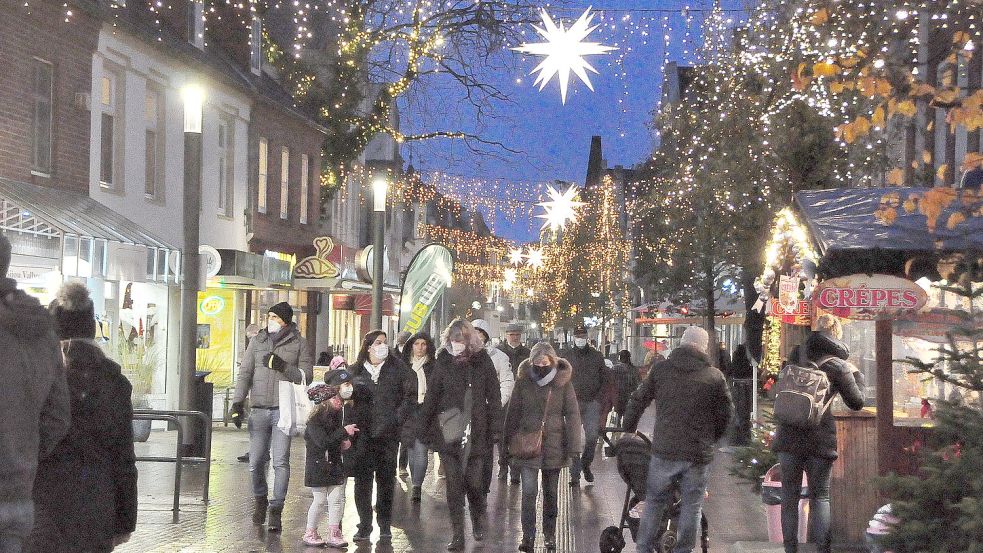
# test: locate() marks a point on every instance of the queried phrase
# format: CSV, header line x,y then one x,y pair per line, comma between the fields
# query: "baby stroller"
x,y
633,452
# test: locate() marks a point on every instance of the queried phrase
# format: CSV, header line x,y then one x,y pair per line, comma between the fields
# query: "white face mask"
x,y
380,351
273,327
345,391
456,348
580,342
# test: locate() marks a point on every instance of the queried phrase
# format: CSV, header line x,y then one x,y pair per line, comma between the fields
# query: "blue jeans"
x,y
266,441
663,473
16,522
530,490
418,460
590,413
818,470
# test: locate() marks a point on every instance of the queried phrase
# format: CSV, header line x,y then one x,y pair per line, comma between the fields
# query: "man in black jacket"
x,y
693,409
517,352
588,369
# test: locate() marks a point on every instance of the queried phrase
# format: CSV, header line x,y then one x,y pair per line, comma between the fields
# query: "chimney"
x,y
595,163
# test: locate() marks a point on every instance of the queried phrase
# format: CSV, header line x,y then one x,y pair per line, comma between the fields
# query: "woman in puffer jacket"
x,y
813,450
544,397
419,355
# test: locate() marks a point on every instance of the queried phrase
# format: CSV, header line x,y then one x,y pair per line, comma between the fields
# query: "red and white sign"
x,y
788,293
869,297
800,316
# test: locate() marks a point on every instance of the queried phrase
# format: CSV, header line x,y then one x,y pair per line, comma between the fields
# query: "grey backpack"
x,y
803,393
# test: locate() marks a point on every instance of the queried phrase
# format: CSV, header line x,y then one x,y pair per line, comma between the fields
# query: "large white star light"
x,y
536,259
515,256
564,51
561,209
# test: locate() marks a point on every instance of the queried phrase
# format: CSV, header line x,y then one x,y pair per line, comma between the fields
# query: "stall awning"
x,y
867,230
70,213
66,232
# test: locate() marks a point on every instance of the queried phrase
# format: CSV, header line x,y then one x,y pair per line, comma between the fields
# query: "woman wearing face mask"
x,y
278,353
418,354
380,383
461,415
544,400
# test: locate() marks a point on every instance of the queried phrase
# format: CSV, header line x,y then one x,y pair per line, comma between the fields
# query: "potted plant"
x,y
139,362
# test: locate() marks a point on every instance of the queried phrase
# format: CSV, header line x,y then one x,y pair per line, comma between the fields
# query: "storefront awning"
x,y
72,234
877,230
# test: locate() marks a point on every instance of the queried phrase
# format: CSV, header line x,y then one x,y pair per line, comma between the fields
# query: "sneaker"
x,y
588,476
313,539
526,544
335,539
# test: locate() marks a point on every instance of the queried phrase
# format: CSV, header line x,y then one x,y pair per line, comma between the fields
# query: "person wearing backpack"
x,y
809,443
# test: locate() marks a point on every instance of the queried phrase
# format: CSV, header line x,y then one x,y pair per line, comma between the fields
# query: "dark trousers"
x,y
818,470
530,489
404,457
504,459
741,390
464,481
378,465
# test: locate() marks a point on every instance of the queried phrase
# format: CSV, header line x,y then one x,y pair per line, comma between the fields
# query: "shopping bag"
x,y
295,406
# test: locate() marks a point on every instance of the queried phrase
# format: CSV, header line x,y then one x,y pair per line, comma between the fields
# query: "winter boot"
x,y
335,539
312,538
478,527
457,542
527,544
275,525
259,510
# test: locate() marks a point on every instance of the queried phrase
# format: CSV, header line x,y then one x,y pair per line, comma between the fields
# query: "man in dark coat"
x,y
588,374
517,352
35,409
693,409
86,491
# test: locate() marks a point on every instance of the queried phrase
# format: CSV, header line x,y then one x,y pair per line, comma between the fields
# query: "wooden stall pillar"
x,y
887,447
853,491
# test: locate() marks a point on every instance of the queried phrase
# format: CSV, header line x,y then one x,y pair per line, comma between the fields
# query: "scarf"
x,y
421,377
281,334
545,379
374,370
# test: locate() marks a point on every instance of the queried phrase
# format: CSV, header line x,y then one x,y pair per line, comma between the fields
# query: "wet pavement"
x,y
733,512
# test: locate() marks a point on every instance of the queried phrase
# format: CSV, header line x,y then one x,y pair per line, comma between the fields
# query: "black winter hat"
x,y
337,377
284,311
74,312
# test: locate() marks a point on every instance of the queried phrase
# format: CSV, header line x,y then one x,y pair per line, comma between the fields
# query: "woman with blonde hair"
x,y
459,418
543,402
813,449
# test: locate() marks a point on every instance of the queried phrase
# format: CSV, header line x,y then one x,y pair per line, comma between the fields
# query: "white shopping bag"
x,y
295,406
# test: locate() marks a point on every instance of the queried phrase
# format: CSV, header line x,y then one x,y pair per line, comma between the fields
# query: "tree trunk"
x,y
710,317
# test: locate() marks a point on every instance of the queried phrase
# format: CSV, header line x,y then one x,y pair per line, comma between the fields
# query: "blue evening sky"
x,y
554,139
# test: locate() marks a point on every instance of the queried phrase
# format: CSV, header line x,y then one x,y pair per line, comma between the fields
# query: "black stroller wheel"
x,y
667,541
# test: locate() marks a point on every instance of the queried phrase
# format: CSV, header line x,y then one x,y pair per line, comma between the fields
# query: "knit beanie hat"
x,y
74,312
284,311
696,338
337,361
321,392
4,256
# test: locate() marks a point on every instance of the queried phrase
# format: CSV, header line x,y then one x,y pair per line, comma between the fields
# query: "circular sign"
x,y
211,259
365,263
212,305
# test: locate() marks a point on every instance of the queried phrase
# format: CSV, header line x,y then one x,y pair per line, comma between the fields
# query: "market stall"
x,y
875,258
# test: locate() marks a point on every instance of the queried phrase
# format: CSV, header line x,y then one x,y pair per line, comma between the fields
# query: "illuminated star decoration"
x,y
535,258
515,256
564,51
561,209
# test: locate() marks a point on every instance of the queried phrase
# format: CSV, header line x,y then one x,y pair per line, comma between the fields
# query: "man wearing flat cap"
x,y
277,354
517,352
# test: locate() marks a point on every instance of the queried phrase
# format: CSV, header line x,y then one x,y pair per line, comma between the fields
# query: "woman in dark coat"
x,y
544,397
813,450
419,354
463,365
380,385
85,493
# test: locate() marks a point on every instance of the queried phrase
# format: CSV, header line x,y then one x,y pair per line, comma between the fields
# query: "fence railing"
x,y
179,459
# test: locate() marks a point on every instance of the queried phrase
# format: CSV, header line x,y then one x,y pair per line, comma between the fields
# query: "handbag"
x,y
455,423
529,445
295,406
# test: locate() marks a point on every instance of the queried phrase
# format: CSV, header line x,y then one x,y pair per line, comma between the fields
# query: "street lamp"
x,y
380,187
194,100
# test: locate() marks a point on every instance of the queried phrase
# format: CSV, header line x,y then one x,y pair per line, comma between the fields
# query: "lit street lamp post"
x,y
380,188
194,99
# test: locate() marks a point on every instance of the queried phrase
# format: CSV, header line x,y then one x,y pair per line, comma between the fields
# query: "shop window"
x,y
225,157
256,45
304,187
284,181
110,135
154,145
261,180
70,249
42,121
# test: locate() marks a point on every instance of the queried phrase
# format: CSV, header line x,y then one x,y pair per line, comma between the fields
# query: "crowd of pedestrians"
x,y
68,478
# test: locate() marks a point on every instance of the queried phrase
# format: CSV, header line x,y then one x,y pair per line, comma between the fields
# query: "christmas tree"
x,y
751,462
942,508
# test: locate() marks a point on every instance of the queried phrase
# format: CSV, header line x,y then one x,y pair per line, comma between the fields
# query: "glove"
x,y
237,413
273,362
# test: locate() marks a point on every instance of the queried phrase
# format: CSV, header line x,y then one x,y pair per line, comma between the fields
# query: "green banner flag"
x,y
428,275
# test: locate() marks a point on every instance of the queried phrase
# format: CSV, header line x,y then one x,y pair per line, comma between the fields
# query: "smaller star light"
x,y
564,51
560,209
535,258
510,275
515,256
